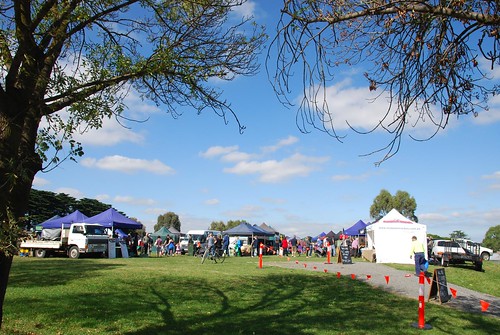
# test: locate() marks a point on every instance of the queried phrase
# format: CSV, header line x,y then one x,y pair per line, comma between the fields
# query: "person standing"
x,y
158,245
255,247
355,247
211,244
284,245
293,243
225,244
237,248
418,254
309,246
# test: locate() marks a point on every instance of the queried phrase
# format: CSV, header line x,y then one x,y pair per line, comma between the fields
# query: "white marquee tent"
x,y
390,237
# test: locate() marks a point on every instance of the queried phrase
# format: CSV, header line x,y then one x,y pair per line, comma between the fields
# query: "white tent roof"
x,y
391,237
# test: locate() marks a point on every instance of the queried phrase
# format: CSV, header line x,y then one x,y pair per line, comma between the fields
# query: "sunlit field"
x,y
178,295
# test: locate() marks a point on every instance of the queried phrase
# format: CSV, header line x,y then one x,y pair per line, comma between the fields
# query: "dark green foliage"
x,y
167,220
492,238
385,202
44,205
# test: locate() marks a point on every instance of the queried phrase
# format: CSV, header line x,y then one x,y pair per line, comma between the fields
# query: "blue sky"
x,y
303,184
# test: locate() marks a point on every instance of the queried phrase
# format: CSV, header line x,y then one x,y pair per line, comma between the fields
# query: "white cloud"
x,y
212,202
156,211
216,151
347,177
134,201
490,116
495,176
110,134
236,156
274,201
359,177
282,143
472,222
71,192
363,110
102,197
38,181
425,217
227,154
128,165
272,171
247,212
247,9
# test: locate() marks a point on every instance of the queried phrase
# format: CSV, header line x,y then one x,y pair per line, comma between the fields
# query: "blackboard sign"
x,y
345,255
439,287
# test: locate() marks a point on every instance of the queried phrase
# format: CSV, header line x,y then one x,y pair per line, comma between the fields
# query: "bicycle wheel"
x,y
205,256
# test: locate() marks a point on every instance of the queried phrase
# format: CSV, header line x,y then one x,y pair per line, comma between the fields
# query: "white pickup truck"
x,y
80,238
485,253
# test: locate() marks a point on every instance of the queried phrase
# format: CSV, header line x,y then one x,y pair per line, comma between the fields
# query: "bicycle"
x,y
217,256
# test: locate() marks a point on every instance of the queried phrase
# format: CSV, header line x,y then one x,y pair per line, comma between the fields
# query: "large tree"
x,y
167,220
492,238
71,63
384,202
425,57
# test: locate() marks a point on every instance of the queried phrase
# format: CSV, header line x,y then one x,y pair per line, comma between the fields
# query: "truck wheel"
x,y
485,256
40,253
74,252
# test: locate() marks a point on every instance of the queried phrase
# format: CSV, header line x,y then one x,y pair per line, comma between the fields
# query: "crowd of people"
x,y
319,247
138,245
281,245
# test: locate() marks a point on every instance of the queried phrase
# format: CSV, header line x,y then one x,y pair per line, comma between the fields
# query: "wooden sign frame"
x,y
439,286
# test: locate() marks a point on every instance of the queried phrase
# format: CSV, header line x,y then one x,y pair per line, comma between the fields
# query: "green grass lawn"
x,y
178,295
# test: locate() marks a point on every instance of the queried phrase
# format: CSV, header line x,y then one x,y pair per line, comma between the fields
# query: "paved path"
x,y
399,282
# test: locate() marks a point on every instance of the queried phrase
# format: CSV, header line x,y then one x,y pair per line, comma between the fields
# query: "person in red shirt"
x,y
284,245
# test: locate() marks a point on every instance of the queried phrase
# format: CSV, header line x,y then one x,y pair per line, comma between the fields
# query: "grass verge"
x,y
178,295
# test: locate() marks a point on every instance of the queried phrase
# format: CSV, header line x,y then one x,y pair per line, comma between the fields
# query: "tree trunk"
x,y
19,162
5,264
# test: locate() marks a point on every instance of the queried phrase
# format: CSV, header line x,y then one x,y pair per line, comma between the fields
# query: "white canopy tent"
x,y
390,237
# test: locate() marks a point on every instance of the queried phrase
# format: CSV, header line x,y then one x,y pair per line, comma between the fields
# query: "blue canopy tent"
x,y
67,220
356,229
112,219
320,236
246,229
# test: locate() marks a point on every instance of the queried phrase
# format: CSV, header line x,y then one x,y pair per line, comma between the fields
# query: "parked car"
x,y
451,252
183,242
439,247
485,253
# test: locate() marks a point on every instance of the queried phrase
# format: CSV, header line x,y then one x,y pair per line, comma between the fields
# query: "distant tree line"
x,y
44,205
221,226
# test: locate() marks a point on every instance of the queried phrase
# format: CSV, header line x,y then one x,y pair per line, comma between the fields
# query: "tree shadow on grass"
x,y
41,273
278,305
285,303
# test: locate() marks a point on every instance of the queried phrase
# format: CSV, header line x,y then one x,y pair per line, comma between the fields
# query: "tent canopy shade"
x,y
355,229
65,221
246,229
163,232
112,219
